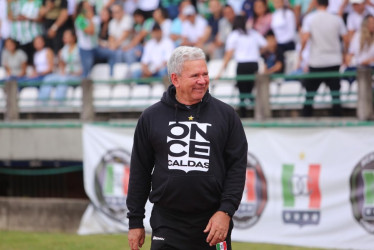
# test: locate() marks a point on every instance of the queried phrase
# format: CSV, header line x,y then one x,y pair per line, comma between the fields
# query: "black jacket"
x,y
187,159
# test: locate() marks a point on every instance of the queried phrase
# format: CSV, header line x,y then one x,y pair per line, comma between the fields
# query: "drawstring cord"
x,y
176,112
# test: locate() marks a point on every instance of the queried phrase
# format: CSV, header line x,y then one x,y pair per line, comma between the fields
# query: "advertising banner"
x,y
304,186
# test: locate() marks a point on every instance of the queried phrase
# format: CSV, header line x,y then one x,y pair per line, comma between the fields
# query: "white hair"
x,y
182,54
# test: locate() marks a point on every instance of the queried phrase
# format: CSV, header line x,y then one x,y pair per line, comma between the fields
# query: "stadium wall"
x,y
39,214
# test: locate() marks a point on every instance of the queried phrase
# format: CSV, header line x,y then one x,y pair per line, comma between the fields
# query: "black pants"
x,y
312,85
176,231
245,86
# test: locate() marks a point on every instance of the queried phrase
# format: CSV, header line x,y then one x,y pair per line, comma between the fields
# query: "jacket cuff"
x,y
136,223
228,208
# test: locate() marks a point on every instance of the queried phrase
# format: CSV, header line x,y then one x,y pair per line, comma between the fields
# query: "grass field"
x,y
40,241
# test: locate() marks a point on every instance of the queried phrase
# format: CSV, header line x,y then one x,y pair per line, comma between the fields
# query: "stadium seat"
x,y
231,68
322,98
352,98
140,95
344,90
120,95
223,91
77,97
157,92
2,99
290,94
134,67
2,73
28,97
120,71
291,59
274,92
101,95
100,72
214,66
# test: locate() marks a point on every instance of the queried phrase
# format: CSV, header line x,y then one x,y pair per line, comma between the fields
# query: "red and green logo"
x,y
254,196
362,192
301,195
111,184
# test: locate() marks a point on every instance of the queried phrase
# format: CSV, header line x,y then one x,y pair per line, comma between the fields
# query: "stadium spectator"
x,y
248,8
70,69
356,16
129,6
338,7
25,25
326,53
14,60
4,24
87,29
195,29
245,45
119,34
119,27
102,4
148,6
105,17
273,56
236,5
224,29
302,8
103,53
43,61
283,24
176,25
361,47
370,6
161,17
216,10
55,16
133,50
172,7
261,19
156,53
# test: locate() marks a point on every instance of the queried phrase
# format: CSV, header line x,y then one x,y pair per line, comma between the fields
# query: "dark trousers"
x,y
245,86
180,231
312,85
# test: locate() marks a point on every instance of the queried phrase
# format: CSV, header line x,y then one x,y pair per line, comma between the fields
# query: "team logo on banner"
x,y
301,195
254,197
189,147
362,192
111,183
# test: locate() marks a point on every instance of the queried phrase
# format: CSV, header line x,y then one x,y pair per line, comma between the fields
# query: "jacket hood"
x,y
169,99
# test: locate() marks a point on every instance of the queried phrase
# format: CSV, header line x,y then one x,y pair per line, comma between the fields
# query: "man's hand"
x,y
218,227
136,238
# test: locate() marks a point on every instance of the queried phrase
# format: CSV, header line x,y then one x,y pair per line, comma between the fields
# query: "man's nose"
x,y
201,80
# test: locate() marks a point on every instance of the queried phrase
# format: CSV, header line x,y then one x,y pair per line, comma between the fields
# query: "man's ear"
x,y
174,79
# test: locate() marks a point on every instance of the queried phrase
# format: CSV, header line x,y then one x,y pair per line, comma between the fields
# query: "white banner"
x,y
305,186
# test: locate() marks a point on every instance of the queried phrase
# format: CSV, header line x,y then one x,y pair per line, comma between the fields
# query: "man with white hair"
x,y
189,158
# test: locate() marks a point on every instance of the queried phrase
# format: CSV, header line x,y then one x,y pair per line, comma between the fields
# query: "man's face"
x,y
193,82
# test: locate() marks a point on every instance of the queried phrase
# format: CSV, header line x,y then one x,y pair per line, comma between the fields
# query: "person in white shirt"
x,y
245,45
283,24
355,17
361,48
119,31
155,55
195,29
326,52
161,16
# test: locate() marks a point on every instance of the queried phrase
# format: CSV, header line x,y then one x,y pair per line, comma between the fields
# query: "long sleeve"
x,y
235,155
142,163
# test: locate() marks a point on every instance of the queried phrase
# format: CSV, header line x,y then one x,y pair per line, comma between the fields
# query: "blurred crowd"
x,y
63,39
